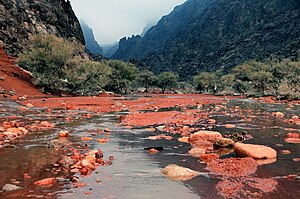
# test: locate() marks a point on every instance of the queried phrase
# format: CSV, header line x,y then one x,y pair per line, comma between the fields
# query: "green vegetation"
x,y
122,77
146,79
57,66
280,78
61,66
166,80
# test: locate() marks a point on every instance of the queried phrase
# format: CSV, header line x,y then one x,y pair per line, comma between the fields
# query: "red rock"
x,y
22,108
278,114
63,134
45,182
157,137
87,164
14,130
150,129
292,140
152,151
230,126
23,130
184,139
84,171
168,137
80,184
74,170
86,138
285,152
197,151
254,151
46,124
102,140
265,161
291,176
211,121
27,176
292,135
210,136
209,157
6,125
296,159
29,105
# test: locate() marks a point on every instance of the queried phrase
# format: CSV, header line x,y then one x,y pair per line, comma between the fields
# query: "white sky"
x,y
113,19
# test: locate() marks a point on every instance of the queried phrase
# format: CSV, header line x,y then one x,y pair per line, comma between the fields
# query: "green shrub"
x,y
166,80
56,66
122,76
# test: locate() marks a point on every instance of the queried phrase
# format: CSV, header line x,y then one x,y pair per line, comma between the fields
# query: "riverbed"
x,y
133,172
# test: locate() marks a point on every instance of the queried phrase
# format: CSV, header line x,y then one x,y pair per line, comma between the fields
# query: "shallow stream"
x,y
135,173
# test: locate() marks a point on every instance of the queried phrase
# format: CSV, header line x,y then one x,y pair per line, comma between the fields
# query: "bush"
x,y
146,79
205,82
56,66
122,76
166,80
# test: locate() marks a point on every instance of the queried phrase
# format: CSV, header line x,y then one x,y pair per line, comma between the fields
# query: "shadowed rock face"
x,y
206,35
20,19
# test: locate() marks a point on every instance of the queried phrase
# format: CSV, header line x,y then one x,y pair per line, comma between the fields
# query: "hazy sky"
x,y
113,19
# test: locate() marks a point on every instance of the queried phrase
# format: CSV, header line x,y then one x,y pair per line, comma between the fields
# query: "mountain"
x,y
20,19
110,49
206,35
90,42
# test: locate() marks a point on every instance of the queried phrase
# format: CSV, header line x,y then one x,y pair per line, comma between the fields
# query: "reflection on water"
x,y
135,173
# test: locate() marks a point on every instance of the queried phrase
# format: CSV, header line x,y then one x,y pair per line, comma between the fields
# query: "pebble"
x,y
285,152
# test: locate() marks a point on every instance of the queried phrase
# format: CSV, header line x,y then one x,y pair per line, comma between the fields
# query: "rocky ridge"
x,y
207,35
19,20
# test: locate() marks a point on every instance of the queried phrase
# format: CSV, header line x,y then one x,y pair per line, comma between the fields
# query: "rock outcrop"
x,y
206,35
20,19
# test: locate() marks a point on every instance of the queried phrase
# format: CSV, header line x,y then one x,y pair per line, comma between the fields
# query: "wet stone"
x,y
10,187
224,142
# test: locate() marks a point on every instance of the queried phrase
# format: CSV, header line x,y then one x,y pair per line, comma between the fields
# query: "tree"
x,y
146,78
166,79
121,77
205,81
86,75
57,66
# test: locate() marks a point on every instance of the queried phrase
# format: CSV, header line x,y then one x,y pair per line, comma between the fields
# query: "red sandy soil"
x,y
15,78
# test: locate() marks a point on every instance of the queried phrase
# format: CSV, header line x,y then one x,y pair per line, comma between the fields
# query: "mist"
x,y
113,19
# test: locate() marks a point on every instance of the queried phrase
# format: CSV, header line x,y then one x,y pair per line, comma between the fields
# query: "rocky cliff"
x,y
90,42
206,35
20,19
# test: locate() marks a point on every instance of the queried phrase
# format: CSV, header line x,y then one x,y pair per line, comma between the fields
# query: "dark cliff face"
x,y
20,19
203,35
90,43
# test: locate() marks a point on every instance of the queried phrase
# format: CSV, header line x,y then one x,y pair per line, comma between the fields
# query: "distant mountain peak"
x,y
90,42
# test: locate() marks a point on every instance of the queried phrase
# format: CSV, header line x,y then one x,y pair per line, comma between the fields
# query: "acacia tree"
x,y
205,81
167,80
146,78
121,77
